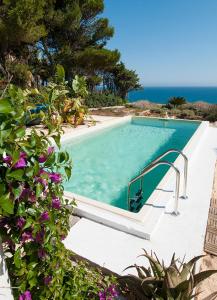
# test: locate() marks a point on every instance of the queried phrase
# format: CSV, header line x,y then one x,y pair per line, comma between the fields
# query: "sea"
x,y
162,94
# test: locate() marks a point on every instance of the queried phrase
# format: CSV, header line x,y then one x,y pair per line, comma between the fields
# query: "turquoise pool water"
x,y
104,162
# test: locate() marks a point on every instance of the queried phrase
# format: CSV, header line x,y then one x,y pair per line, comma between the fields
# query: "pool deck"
x,y
183,234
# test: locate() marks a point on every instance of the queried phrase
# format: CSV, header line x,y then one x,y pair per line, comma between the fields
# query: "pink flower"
x,y
44,216
56,203
55,177
27,237
25,296
50,150
21,163
47,280
21,222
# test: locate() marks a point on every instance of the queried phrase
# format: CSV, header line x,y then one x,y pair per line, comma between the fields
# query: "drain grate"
x,y
210,244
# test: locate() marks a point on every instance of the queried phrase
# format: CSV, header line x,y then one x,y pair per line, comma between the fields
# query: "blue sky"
x,y
167,42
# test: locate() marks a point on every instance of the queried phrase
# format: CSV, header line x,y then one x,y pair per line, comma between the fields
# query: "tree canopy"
x,y
38,35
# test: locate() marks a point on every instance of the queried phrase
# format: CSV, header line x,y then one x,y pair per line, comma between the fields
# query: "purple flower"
x,y
55,177
62,237
27,237
56,203
44,216
3,221
21,222
47,280
10,244
25,296
42,158
28,194
21,163
42,181
32,197
102,295
109,293
40,236
41,253
7,159
42,172
25,193
112,290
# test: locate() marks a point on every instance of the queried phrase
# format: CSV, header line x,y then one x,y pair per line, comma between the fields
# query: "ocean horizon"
x,y
162,94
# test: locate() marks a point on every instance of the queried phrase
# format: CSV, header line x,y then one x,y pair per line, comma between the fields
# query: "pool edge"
x,y
133,223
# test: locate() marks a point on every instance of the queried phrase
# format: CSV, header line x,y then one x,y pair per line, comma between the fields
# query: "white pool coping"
x,y
144,222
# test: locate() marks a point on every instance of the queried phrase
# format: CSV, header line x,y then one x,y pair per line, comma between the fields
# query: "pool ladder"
x,y
155,163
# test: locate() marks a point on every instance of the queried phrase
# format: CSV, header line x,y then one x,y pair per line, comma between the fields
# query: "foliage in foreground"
x,y
158,282
34,215
63,100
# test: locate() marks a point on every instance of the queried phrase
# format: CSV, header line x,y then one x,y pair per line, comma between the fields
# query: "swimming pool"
x,y
104,162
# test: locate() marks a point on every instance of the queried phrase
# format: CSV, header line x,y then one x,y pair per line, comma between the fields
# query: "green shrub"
x,y
186,113
103,100
156,110
177,281
211,114
176,101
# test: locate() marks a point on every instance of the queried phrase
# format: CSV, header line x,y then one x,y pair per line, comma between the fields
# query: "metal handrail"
x,y
149,168
184,196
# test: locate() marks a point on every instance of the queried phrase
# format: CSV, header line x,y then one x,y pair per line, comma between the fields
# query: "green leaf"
x,y
31,211
16,191
188,266
17,258
50,161
28,223
4,134
56,139
33,282
5,106
29,171
7,204
62,157
38,189
68,172
2,188
17,174
20,132
202,276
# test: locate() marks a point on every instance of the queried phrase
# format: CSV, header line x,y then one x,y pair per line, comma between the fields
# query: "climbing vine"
x,y
34,215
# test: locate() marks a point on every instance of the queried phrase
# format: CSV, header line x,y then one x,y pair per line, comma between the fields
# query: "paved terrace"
x,y
183,234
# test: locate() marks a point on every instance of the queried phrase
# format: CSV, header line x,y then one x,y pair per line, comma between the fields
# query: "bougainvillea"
x,y
34,215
